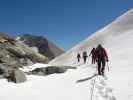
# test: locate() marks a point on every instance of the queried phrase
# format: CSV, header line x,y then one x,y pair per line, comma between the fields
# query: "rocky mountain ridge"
x,y
41,45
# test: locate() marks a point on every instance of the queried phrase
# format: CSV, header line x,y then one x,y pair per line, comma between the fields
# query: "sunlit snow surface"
x,y
56,87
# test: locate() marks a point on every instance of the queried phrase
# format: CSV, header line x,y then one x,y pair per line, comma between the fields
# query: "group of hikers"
x,y
99,56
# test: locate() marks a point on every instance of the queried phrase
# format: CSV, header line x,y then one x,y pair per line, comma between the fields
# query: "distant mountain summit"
x,y
41,45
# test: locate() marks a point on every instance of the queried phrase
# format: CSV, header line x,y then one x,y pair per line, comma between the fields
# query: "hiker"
x,y
85,56
101,58
93,55
78,57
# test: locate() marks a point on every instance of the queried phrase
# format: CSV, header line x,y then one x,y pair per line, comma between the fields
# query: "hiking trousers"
x,y
85,58
93,60
78,59
101,66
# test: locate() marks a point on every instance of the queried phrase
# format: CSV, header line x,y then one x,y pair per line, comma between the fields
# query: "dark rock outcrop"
x,y
50,70
47,70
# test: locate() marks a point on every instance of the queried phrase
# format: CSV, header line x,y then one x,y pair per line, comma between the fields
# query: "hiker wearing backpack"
x,y
93,55
101,58
85,56
78,57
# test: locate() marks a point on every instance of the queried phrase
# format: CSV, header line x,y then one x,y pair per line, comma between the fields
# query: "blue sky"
x,y
65,22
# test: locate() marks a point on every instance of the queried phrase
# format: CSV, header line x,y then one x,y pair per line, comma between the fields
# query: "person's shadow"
x,y
85,79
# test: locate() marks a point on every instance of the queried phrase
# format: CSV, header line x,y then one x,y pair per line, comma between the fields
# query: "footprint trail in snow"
x,y
100,90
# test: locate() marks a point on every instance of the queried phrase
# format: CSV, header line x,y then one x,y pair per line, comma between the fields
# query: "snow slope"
x,y
56,87
117,37
109,33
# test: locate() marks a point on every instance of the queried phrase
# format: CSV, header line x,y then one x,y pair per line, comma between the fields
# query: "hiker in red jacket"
x,y
93,53
101,58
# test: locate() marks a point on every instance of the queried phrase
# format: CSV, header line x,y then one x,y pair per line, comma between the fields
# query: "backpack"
x,y
78,56
85,54
100,52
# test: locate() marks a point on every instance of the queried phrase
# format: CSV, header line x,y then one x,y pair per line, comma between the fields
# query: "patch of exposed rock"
x,y
50,70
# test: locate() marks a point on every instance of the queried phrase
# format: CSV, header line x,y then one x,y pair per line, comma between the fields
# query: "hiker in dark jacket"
x,y
85,56
93,55
78,57
101,58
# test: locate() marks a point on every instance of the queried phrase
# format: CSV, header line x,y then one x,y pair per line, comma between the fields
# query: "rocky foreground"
x,y
14,55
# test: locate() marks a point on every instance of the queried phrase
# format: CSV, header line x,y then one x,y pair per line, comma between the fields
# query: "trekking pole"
x,y
92,89
108,66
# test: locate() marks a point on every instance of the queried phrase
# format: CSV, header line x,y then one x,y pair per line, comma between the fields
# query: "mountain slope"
x,y
117,38
43,45
109,33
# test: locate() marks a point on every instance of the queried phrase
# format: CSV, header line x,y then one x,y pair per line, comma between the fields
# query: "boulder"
x,y
19,76
16,76
12,73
